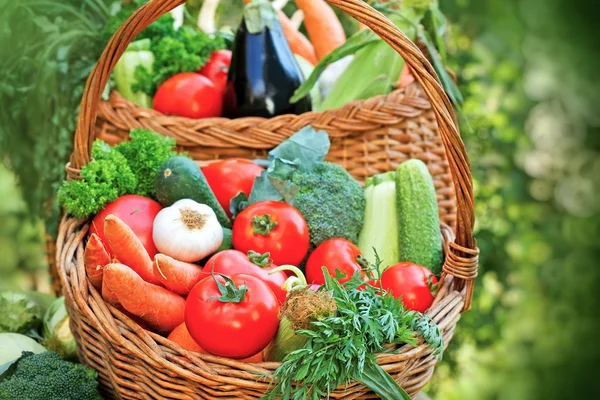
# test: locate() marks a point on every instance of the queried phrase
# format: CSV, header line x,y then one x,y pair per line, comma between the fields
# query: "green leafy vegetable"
x,y
305,148
22,312
187,50
137,53
162,27
145,154
342,347
46,376
104,179
350,46
128,168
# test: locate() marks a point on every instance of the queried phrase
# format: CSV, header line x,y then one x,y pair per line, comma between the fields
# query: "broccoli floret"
x,y
46,376
331,201
104,179
145,154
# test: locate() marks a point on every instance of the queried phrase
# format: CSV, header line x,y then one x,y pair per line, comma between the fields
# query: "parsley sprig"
x,y
342,348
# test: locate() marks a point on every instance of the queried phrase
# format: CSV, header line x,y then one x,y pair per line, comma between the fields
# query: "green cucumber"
x,y
419,236
181,178
227,243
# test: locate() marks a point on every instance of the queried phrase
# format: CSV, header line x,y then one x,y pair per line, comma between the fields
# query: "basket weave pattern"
x,y
368,137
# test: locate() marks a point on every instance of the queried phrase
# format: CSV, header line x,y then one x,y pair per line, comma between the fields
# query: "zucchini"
x,y
419,235
181,178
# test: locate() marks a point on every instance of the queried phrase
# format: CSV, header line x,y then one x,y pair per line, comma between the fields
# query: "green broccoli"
x,y
145,154
104,179
46,376
331,201
185,51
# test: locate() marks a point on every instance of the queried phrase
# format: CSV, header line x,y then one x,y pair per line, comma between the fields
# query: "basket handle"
x,y
461,260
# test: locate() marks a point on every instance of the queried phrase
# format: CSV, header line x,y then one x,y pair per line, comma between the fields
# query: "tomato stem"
x,y
293,282
263,225
229,293
260,260
433,287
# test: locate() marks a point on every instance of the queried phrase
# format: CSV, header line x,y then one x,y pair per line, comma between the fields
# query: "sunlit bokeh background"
x,y
529,72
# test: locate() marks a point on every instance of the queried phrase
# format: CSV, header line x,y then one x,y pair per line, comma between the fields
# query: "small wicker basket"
x,y
367,137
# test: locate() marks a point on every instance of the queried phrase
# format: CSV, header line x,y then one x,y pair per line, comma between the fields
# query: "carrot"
x,y
126,246
177,276
162,309
299,43
182,337
108,294
406,77
323,26
95,257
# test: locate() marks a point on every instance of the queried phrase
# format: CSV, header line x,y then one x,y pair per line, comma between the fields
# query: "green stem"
x,y
259,15
260,260
263,225
380,382
229,293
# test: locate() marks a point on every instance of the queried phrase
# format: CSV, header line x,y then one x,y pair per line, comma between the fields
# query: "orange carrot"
x,y
323,26
177,276
299,43
406,77
95,258
108,294
182,337
126,246
162,309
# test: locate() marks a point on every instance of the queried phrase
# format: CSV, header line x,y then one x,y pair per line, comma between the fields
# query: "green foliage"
x,y
331,201
104,179
47,49
162,27
342,347
145,153
187,50
46,376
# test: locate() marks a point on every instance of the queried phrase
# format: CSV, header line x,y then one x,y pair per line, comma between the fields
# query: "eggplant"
x,y
264,73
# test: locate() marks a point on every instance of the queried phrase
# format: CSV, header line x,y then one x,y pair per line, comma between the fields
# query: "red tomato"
x,y
334,254
409,281
217,68
228,178
189,95
238,327
274,227
137,212
231,262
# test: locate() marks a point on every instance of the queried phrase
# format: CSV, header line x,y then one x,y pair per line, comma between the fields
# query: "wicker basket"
x,y
367,137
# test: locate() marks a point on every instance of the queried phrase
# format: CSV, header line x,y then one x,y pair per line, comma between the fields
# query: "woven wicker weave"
x,y
367,137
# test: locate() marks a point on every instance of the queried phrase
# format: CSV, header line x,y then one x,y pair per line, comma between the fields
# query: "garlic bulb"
x,y
187,231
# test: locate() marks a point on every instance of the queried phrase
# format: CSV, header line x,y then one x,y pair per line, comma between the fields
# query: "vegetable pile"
x,y
271,67
309,268
38,359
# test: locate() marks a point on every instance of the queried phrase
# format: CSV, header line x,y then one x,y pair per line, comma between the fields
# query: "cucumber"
x,y
419,235
181,178
227,243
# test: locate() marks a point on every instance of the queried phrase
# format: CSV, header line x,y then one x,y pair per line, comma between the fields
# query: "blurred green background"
x,y
528,70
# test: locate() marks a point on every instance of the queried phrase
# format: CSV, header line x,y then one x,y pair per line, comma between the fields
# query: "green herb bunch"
x,y
341,348
128,168
186,50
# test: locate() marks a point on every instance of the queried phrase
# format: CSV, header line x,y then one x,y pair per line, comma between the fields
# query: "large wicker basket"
x,y
367,137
